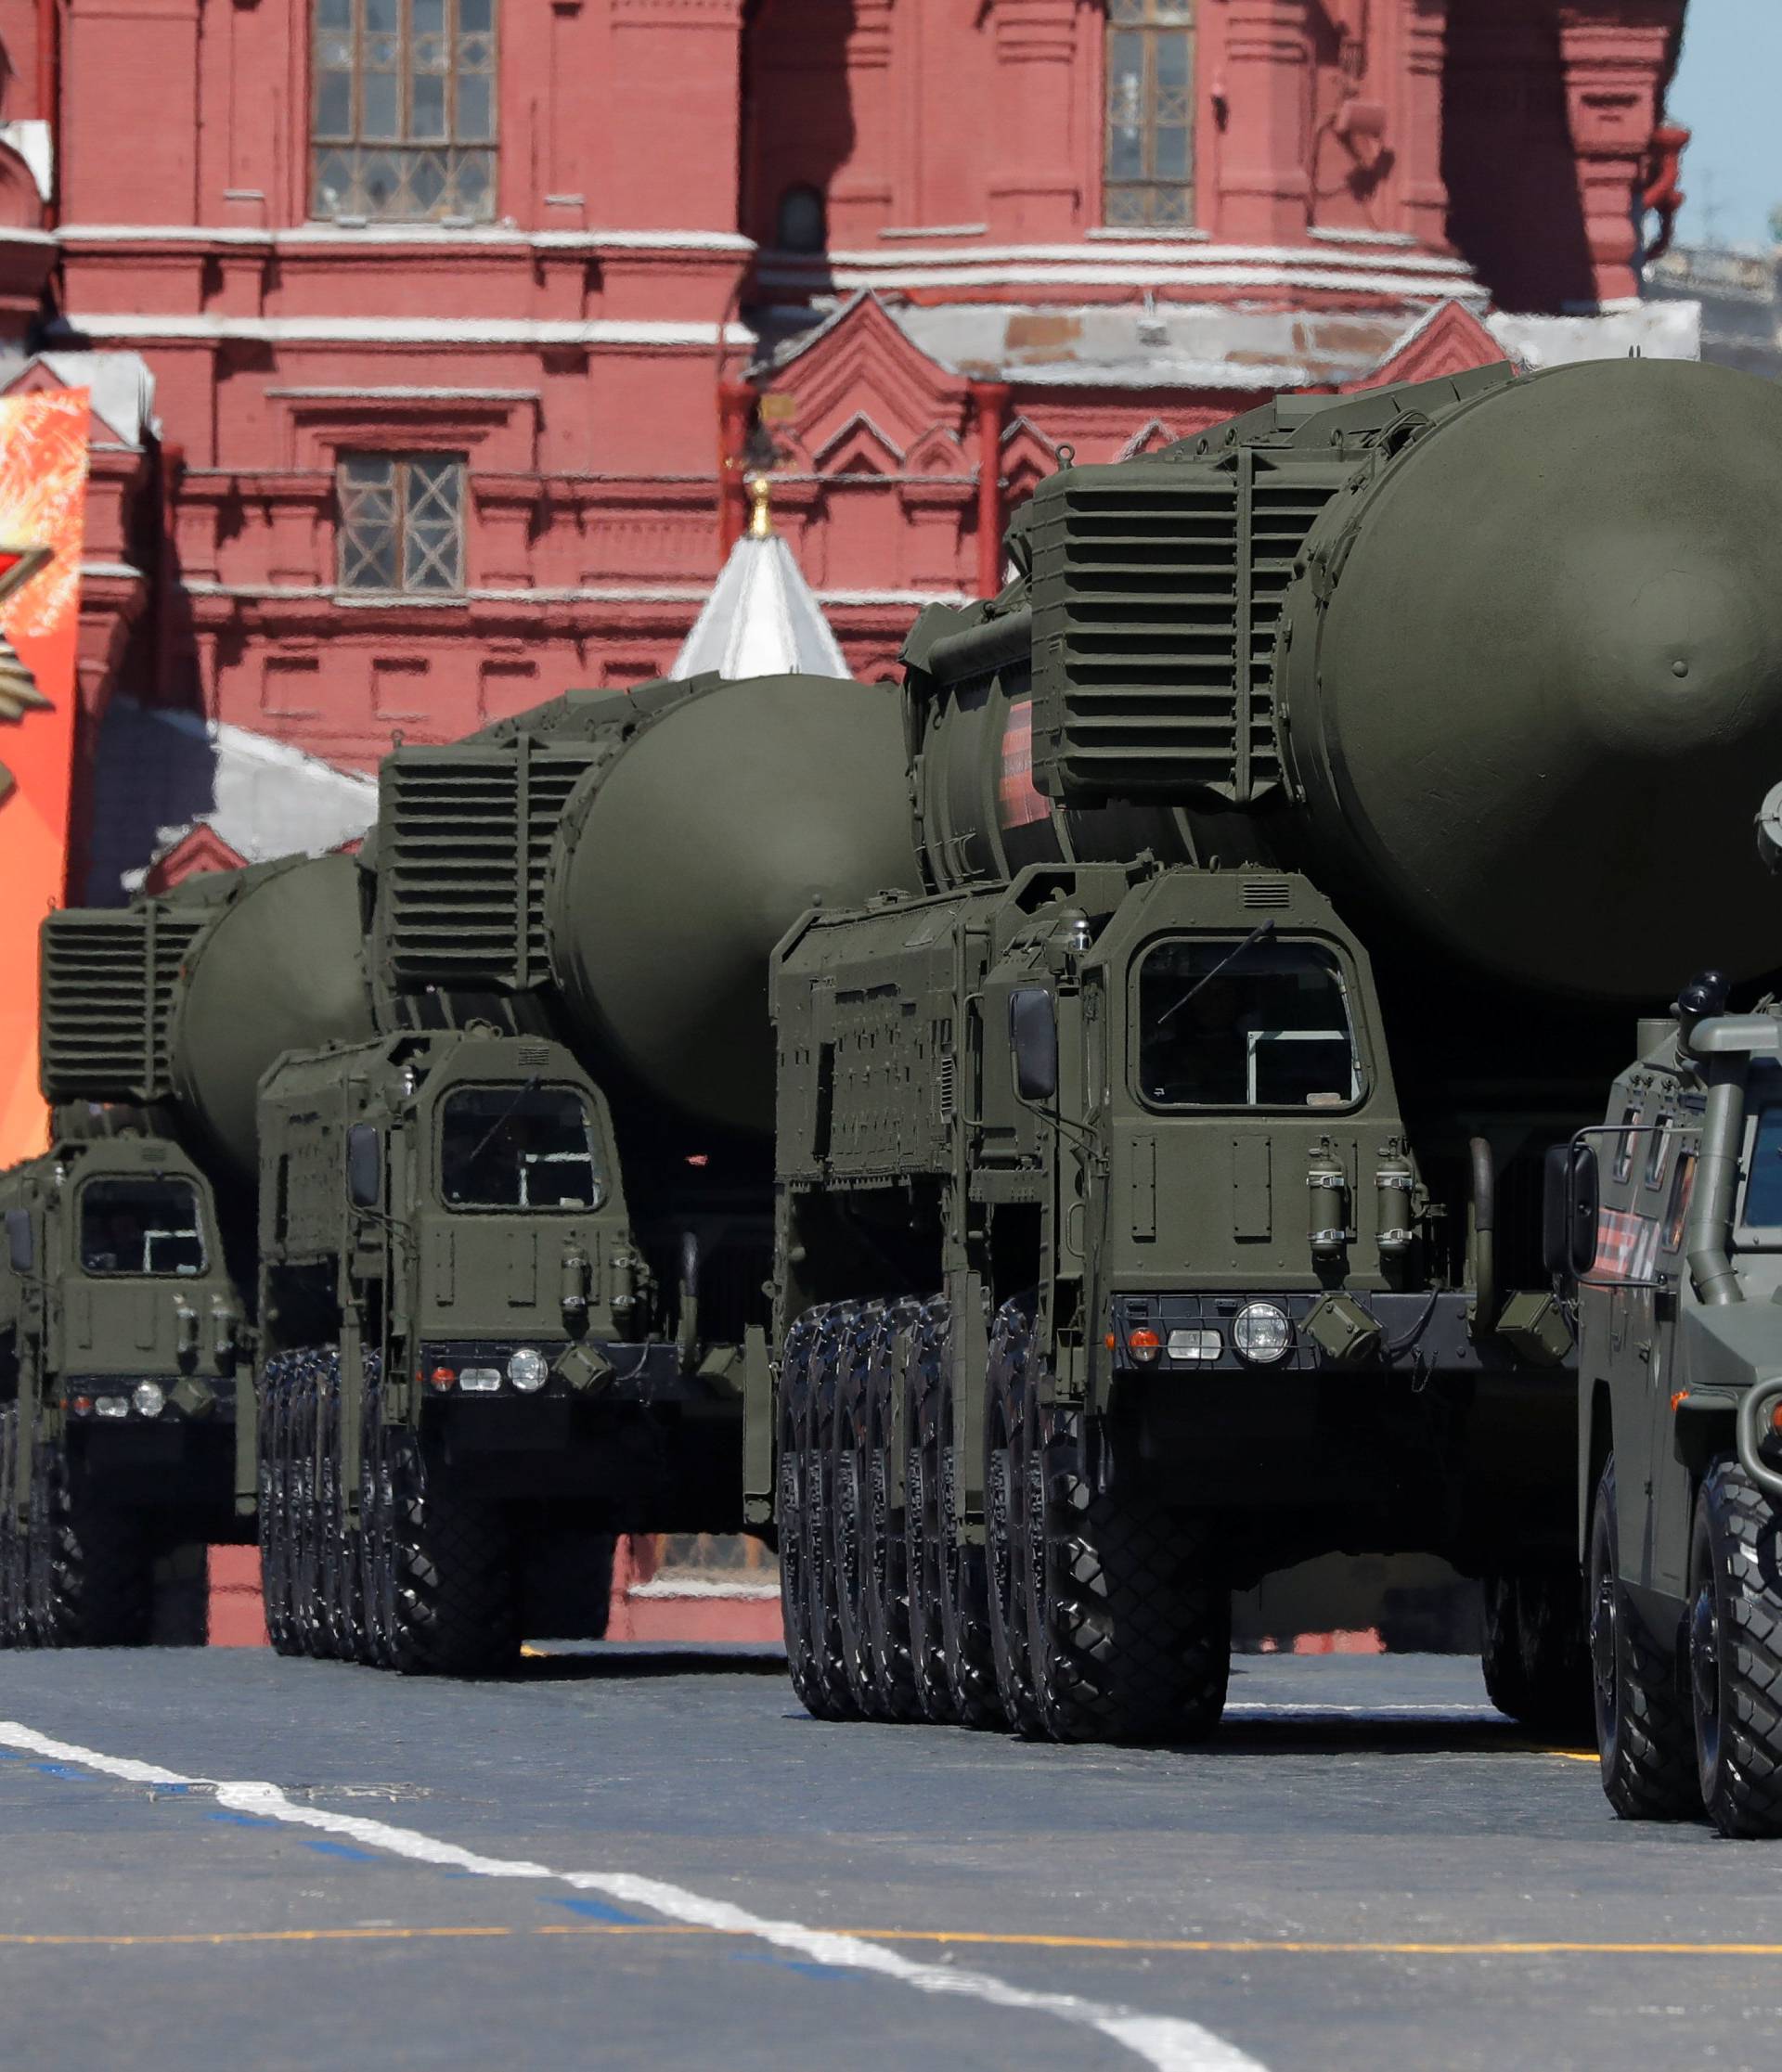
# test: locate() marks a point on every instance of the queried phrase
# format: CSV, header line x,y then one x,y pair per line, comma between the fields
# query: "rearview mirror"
x,y
363,1166
1033,1036
21,1250
1568,1206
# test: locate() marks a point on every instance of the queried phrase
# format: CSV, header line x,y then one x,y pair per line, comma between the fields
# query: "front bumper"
x,y
590,1371
1418,1333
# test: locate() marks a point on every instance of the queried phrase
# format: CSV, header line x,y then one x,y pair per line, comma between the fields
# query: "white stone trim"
x,y
599,593
178,327
324,236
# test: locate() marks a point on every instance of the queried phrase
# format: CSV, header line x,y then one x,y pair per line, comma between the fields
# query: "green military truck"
x,y
460,1398
1160,1194
1666,1224
122,1348
489,1109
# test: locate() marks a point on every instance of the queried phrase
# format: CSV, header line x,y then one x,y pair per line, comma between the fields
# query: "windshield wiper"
x,y
502,1120
1224,964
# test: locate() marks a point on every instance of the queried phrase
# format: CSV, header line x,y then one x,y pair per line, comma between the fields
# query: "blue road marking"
x,y
830,1972
240,1820
598,1910
341,1850
64,1770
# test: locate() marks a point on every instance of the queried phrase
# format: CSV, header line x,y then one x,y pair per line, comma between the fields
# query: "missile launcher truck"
x,y
1159,1192
120,1345
486,1112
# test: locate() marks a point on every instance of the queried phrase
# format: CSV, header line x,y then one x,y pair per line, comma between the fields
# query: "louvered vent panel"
x,y
1135,631
461,896
1157,589
1282,513
108,988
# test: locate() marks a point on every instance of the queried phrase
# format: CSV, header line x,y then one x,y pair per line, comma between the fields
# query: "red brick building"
x,y
433,336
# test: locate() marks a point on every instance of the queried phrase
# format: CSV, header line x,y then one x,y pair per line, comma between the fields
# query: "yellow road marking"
x,y
1152,1946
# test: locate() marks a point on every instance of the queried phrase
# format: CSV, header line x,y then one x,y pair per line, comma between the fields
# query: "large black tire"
x,y
1128,1614
1643,1732
962,1581
342,1621
1735,1652
377,1513
814,1625
275,1506
14,1632
91,1581
1012,1458
925,1445
454,1607
793,1407
1536,1655
866,1525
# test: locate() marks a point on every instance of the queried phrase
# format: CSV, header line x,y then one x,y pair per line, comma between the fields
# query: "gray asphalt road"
x,y
1332,1884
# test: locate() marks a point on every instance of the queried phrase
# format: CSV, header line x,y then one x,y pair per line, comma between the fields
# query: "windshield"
x,y
518,1147
1244,1022
1761,1209
149,1226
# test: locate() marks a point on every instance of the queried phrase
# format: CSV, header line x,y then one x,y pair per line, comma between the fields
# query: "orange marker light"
x,y
443,1377
1143,1344
1776,1417
1112,1341
1680,1397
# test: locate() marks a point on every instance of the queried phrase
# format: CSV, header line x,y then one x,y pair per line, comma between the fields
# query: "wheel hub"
x,y
1704,1656
1603,1648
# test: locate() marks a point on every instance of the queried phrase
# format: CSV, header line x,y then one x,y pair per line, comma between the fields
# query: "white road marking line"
x,y
1170,2043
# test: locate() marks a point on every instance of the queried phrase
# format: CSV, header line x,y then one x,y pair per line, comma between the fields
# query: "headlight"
x,y
151,1399
480,1380
528,1369
1261,1334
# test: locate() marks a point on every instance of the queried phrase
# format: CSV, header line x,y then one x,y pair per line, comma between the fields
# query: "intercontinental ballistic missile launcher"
x,y
121,1346
486,1113
1158,1193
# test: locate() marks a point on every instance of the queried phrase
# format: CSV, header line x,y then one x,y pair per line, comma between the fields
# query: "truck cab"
x,y
461,1397
1666,1220
122,1336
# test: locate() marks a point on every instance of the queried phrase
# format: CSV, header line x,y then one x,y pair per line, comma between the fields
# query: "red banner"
x,y
42,497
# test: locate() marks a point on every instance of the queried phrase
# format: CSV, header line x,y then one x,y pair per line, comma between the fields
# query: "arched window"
x,y
1148,166
802,221
402,110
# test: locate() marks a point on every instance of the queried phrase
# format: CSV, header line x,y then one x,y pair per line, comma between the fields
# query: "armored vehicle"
x,y
1159,1192
1665,1223
120,1348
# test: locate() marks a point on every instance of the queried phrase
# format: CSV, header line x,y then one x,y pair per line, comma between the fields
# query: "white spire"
x,y
761,619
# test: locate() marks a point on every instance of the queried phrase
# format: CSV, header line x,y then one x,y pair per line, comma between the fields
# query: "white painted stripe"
x,y
406,330
1168,2042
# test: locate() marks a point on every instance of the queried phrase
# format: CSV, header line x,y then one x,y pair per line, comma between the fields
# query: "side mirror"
x,y
1033,1036
1568,1206
21,1249
363,1166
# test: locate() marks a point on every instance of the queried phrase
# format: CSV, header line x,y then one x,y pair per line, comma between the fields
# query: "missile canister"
x,y
1496,660
621,865
181,1002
